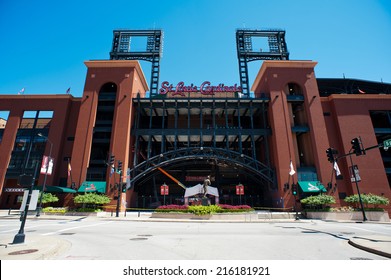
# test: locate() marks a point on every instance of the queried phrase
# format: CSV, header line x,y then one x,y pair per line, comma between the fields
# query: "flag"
x,y
112,170
361,91
336,168
68,90
21,91
291,170
69,169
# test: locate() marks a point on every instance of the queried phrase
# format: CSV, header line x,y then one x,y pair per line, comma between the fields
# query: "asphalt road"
x,y
108,239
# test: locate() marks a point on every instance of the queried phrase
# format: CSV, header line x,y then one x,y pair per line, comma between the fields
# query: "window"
x,y
3,122
380,119
294,89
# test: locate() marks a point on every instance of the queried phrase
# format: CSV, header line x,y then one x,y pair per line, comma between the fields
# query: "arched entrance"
x,y
191,165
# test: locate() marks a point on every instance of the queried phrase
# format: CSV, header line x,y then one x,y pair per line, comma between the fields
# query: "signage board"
x,y
354,174
240,189
205,89
33,200
164,189
47,165
386,144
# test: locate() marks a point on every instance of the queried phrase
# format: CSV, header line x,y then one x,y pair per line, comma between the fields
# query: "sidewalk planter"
x,y
71,213
249,216
349,216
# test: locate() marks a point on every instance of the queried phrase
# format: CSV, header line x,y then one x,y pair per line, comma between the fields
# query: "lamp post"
x,y
46,173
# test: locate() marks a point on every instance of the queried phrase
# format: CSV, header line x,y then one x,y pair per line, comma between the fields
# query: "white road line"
x,y
72,228
368,230
17,229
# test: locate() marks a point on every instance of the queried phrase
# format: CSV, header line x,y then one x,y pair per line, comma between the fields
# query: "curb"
x,y
369,246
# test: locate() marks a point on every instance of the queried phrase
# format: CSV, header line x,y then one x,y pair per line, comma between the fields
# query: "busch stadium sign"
x,y
205,89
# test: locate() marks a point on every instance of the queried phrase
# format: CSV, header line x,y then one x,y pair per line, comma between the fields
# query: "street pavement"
x,y
47,247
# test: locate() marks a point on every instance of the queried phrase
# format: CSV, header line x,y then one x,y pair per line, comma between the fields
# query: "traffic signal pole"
x,y
119,189
364,217
358,150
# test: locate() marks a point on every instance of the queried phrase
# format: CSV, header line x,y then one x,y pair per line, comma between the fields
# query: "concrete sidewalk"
x,y
37,247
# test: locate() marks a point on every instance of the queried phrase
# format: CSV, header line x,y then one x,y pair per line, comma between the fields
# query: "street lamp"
x,y
46,173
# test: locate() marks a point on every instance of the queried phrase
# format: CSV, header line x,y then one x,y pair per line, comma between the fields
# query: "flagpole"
x,y
291,173
70,171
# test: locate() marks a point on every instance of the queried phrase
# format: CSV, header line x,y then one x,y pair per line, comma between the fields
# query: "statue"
x,y
205,186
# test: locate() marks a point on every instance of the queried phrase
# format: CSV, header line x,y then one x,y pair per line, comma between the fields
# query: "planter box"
x,y
249,216
98,214
349,216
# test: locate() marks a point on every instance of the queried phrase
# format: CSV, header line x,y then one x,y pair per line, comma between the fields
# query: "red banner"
x,y
240,189
163,190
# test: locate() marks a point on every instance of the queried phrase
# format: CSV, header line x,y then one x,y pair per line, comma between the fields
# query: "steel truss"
x,y
277,50
258,169
121,50
229,131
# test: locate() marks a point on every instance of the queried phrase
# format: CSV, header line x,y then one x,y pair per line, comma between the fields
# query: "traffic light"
x,y
119,167
356,147
294,189
330,152
111,160
123,187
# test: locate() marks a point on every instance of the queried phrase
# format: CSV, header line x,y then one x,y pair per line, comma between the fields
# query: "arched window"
x,y
294,89
102,132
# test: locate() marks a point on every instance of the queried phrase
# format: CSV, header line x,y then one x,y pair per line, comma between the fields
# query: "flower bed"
x,y
200,210
210,212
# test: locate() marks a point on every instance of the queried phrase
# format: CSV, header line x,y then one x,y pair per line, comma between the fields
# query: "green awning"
x,y
312,187
93,186
55,189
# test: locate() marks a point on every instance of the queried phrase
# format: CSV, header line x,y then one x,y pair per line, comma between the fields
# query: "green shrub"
x,y
369,200
204,210
57,210
91,200
48,198
318,201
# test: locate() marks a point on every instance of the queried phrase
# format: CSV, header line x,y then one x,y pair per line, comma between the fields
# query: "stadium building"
x,y
127,138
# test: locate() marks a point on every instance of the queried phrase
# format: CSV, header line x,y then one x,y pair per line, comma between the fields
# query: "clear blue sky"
x,y
45,42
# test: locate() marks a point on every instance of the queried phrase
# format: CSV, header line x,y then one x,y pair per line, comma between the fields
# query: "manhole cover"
x,y
146,235
138,238
23,252
359,259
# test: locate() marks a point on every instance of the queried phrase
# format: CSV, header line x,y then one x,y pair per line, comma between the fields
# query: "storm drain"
x,y
23,252
347,233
